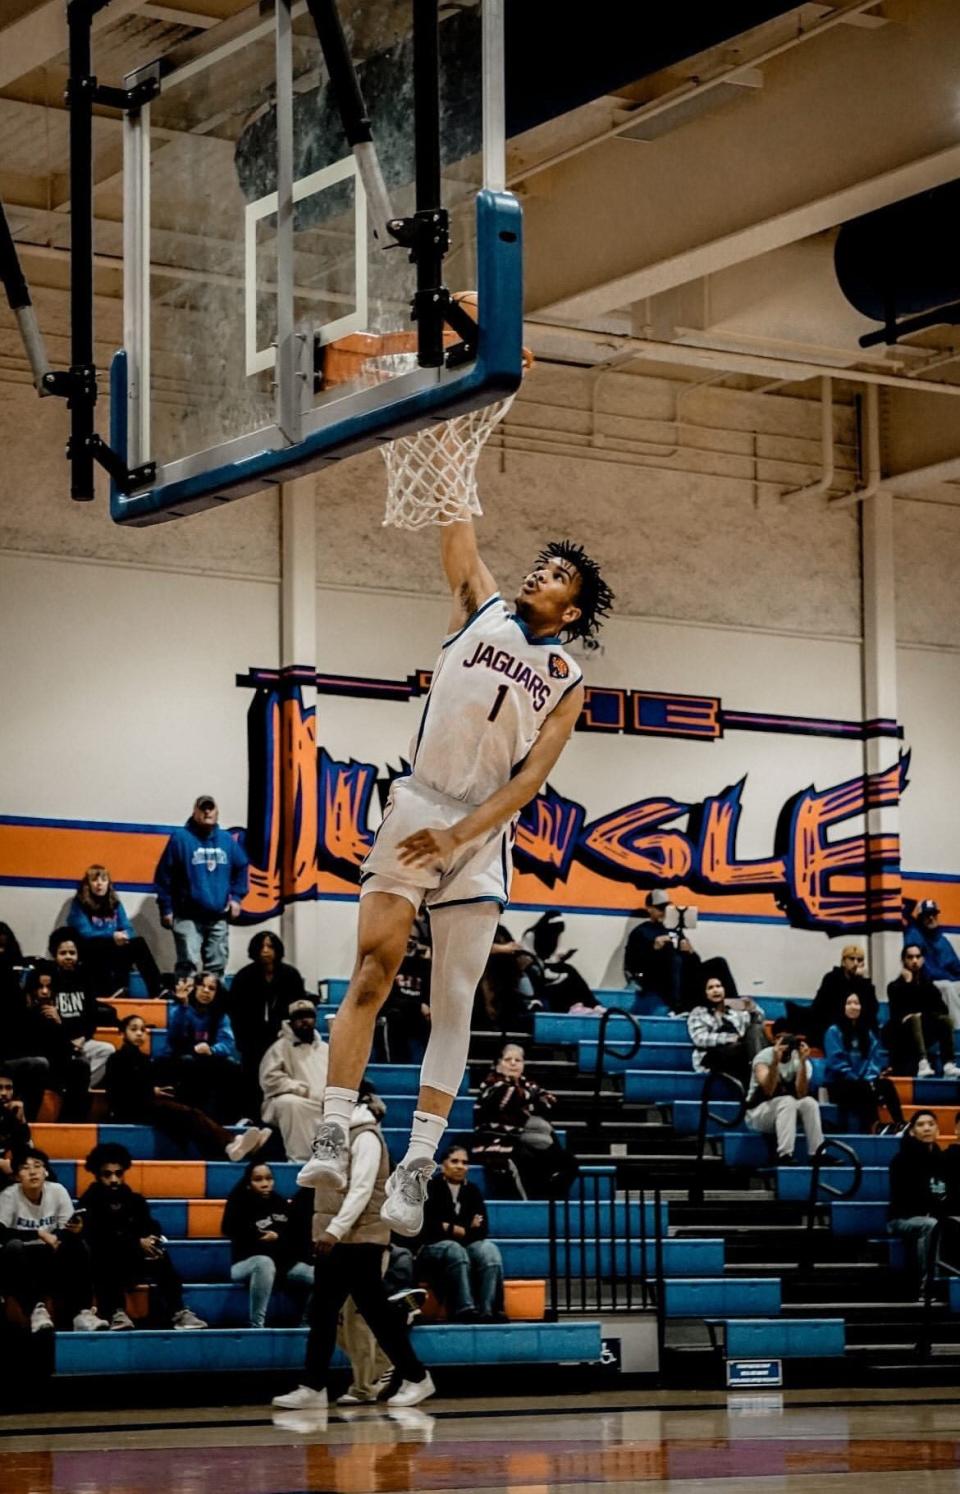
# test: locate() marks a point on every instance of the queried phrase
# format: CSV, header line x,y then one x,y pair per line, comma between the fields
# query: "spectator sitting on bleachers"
x,y
725,1039
350,1240
67,1071
201,879
858,1069
44,1255
462,1265
126,1244
505,994
780,1096
919,1175
662,962
558,984
109,945
263,1245
11,960
940,959
14,1131
136,1098
203,1059
918,1018
293,1076
77,1004
827,1007
259,999
406,1012
24,1043
512,1109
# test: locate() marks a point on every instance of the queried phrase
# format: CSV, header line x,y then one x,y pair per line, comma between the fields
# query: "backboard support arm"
x,y
18,298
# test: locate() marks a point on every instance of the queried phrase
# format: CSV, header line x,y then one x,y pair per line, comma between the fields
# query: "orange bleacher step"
x,y
522,1301
114,1038
944,1114
153,1011
162,1179
204,1217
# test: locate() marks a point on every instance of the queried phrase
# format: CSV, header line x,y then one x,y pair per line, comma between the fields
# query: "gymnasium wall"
x,y
122,651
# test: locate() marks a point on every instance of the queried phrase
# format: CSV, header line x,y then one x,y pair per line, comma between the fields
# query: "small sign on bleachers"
x,y
745,1374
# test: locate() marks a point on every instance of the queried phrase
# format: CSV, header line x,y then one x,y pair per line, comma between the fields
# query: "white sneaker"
x,y
351,1398
925,1069
301,1399
308,1423
412,1392
121,1320
951,1071
406,1192
87,1321
249,1141
329,1160
186,1318
40,1320
412,1420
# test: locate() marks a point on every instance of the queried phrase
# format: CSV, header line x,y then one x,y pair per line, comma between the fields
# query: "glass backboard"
x,y
251,246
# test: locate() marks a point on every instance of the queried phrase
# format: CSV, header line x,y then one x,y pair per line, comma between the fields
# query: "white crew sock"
x,y
425,1136
338,1106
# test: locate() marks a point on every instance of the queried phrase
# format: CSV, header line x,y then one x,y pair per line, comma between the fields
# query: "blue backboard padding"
x,y
722,1297
219,1349
495,372
804,1338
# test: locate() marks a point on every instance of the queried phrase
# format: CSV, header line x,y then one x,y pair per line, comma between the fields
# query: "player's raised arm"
x,y
470,581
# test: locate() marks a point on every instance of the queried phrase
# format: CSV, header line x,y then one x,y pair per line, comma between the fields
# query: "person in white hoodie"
x,y
293,1075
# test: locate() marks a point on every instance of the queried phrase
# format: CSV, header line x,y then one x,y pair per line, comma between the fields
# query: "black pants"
x,y
735,1059
121,1264
211,1083
185,1123
863,1097
354,1271
31,1271
109,965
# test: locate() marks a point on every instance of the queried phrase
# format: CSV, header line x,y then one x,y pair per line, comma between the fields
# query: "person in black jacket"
x,y
127,1245
827,1007
462,1265
77,1004
258,1002
137,1099
265,1240
14,1131
66,1072
918,1018
919,1175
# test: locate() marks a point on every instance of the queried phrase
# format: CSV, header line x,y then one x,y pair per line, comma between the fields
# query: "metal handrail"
x,y
714,1078
636,1042
817,1184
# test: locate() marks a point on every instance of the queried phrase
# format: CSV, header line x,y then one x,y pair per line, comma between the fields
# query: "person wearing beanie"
x,y
828,1005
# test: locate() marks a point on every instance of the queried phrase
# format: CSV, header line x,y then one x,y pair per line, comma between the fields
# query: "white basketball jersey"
x,y
493,688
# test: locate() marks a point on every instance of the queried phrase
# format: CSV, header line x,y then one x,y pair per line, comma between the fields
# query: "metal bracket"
x,y
426,235
127,479
127,100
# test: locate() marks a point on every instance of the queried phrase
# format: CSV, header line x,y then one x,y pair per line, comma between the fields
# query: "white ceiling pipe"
x,y
871,442
824,483
924,477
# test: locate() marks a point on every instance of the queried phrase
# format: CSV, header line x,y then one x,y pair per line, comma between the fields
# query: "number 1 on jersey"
x,y
501,697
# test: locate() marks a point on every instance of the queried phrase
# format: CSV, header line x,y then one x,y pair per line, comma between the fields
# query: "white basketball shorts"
x,y
476,873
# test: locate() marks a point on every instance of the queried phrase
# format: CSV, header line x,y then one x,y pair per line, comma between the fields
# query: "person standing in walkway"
x,y
200,881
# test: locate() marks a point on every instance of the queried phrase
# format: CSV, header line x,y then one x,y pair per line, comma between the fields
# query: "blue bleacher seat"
x,y
652,1056
793,1183
783,1338
702,1297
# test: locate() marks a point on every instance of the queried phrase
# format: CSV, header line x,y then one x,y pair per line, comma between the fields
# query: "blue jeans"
x,y
916,1233
202,944
261,1272
465,1277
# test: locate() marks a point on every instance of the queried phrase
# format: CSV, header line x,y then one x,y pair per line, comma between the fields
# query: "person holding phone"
x,y
44,1255
780,1096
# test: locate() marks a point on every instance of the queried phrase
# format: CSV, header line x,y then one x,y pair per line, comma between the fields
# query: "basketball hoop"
x,y
431,474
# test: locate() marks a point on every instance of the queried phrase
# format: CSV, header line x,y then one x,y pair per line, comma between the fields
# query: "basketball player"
x,y
504,699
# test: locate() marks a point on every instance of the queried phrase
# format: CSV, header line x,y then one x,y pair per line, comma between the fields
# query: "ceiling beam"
x,y
32,40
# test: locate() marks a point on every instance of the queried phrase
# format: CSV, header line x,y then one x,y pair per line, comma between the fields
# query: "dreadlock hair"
x,y
594,597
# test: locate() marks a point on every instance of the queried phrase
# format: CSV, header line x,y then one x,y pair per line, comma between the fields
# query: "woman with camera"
x,y
725,1038
780,1096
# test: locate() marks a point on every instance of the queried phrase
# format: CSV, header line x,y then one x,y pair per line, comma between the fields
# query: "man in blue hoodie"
x,y
200,882
940,960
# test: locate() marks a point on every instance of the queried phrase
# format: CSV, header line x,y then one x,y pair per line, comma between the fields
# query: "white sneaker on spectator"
x,y
412,1392
87,1321
352,1398
120,1320
924,1069
250,1140
406,1191
40,1319
187,1318
950,1071
301,1399
329,1159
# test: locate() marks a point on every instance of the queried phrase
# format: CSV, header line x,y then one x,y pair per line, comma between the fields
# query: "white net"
x,y
432,474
